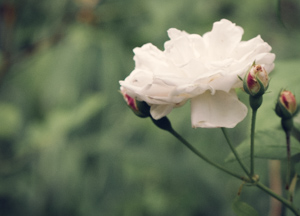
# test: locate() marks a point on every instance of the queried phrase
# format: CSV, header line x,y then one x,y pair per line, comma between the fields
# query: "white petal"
x,y
223,38
159,111
196,69
183,47
174,33
219,110
251,47
148,57
224,83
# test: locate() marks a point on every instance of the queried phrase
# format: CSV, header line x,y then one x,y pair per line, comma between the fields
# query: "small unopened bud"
x,y
256,80
286,106
140,108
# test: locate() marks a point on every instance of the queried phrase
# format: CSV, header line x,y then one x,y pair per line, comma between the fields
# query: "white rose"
x,y
203,69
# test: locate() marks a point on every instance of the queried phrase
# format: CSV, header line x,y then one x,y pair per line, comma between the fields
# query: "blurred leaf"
x,y
297,169
60,122
81,159
293,185
10,120
289,13
269,144
242,208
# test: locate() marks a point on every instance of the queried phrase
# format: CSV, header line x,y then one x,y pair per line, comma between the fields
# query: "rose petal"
x,y
159,111
183,47
224,37
251,47
224,83
174,33
219,110
150,58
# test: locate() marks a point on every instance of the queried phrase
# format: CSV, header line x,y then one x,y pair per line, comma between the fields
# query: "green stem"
x,y
255,103
287,126
288,172
194,150
165,124
254,111
235,153
284,201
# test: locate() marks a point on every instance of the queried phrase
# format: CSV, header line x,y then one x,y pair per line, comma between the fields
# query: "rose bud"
x,y
140,108
256,80
286,106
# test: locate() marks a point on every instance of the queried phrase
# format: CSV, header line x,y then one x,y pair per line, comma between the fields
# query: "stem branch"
x,y
284,201
194,150
254,111
288,172
235,153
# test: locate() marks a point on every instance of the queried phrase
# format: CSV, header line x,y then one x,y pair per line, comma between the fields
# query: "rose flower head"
x,y
286,106
256,80
201,69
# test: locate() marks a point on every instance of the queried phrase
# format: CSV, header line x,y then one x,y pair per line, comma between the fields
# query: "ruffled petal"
x,y
159,111
150,58
219,110
223,38
174,33
251,47
223,83
183,47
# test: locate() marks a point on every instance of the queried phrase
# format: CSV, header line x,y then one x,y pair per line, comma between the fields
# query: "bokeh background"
x,y
68,143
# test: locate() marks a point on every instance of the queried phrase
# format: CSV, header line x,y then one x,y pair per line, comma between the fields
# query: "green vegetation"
x,y
69,145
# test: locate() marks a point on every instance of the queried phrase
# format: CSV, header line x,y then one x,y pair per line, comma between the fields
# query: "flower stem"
x,y
288,147
199,154
254,111
235,153
255,103
165,124
275,185
284,201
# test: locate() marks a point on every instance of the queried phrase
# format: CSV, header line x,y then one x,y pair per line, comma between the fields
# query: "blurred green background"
x,y
68,143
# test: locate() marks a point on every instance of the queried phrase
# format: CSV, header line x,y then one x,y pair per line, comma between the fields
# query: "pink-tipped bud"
x,y
140,108
256,80
286,106
131,102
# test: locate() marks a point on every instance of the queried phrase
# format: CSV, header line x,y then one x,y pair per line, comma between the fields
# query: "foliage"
x,y
68,143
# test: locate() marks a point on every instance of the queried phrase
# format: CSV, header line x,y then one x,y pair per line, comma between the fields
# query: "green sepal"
x,y
245,86
143,109
287,124
282,112
262,89
163,123
255,101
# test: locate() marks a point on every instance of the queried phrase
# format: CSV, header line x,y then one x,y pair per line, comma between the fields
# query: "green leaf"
x,y
269,144
297,169
242,208
10,120
60,122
